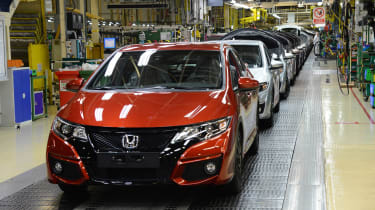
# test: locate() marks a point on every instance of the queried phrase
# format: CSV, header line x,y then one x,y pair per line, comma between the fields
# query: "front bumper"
x,y
265,103
181,165
290,68
283,78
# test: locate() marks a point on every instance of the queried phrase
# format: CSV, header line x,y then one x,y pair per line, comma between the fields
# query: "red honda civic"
x,y
156,114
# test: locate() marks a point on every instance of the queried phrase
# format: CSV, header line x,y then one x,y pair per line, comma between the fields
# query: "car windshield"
x,y
250,54
161,69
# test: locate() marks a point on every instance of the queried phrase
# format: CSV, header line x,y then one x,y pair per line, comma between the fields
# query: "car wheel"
x,y
255,146
287,90
292,81
235,185
277,108
73,189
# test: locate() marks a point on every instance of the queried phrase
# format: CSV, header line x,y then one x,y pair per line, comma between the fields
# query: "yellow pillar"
x,y
62,28
95,22
226,18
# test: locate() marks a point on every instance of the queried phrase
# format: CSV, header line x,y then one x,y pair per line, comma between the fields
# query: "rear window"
x,y
250,54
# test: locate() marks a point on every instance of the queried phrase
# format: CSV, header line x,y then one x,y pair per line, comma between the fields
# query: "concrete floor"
x,y
349,132
24,149
327,140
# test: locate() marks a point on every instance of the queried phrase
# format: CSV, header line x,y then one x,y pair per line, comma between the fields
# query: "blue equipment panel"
x,y
22,95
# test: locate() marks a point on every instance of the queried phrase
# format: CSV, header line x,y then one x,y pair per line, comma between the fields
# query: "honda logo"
x,y
130,141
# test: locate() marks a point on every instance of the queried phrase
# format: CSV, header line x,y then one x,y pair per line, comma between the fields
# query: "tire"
x,y
255,146
292,82
287,90
235,185
73,189
277,108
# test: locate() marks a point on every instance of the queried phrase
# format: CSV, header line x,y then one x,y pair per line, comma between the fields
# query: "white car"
x,y
266,71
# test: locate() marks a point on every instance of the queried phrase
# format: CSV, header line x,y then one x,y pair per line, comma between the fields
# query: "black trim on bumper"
x,y
195,171
71,171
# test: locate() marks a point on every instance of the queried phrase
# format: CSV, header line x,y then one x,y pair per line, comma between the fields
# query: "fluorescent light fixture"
x,y
276,16
320,3
238,5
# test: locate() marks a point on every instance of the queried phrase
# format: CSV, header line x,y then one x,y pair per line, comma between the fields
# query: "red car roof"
x,y
172,46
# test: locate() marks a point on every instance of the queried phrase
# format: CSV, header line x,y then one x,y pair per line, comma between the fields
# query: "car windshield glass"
x,y
154,69
250,54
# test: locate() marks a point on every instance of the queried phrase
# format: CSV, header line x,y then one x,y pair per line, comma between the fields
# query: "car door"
x,y
248,100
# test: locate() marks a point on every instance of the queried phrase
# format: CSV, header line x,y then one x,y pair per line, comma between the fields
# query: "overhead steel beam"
x,y
136,6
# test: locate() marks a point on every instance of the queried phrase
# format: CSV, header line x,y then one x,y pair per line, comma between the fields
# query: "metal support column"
x,y
62,28
95,22
82,9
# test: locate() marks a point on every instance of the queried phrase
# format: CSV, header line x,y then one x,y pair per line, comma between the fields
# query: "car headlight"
x,y
263,86
67,130
202,131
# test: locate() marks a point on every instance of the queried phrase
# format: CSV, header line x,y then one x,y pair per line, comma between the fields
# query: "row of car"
x,y
182,113
274,58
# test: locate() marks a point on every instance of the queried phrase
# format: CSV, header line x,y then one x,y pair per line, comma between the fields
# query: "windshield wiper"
x,y
169,87
103,88
178,87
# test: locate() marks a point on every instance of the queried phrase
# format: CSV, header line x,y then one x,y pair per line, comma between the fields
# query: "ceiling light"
x,y
276,16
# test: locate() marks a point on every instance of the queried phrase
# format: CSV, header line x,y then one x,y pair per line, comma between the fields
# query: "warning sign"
x,y
319,16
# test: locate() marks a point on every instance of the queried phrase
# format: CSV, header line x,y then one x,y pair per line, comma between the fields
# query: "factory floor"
x,y
349,144
318,155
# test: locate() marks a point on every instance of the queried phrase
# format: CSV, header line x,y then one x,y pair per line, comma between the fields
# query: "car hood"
x,y
145,109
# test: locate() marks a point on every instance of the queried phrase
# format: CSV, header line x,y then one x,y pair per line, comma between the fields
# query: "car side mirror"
x,y
274,56
276,65
74,85
245,83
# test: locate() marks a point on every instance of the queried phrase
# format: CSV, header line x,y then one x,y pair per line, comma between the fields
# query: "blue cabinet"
x,y
22,94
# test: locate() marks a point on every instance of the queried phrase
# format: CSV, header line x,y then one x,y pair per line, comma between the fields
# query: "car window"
x,y
250,54
266,51
163,69
234,68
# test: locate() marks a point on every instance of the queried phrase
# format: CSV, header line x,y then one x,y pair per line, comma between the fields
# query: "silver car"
x,y
266,71
284,74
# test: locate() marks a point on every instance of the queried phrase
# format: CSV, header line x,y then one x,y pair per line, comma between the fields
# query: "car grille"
x,y
150,140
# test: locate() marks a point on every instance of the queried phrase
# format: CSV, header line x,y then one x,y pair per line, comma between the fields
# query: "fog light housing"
x,y
58,168
210,168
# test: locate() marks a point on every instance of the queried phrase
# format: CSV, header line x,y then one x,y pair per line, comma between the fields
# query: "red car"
x,y
156,114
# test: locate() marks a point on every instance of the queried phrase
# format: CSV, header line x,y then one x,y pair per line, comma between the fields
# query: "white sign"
x,y
165,36
319,16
